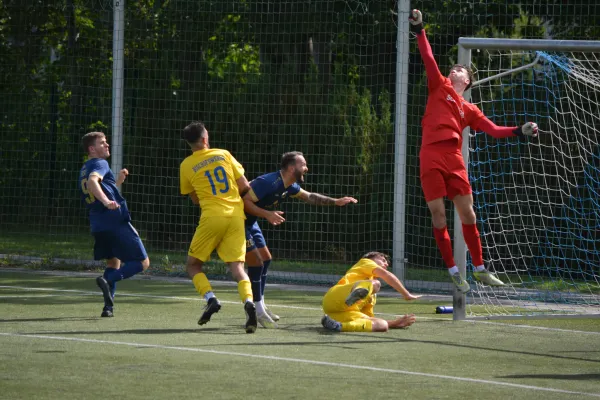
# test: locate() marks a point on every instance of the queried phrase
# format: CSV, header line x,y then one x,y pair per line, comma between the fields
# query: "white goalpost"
x,y
537,201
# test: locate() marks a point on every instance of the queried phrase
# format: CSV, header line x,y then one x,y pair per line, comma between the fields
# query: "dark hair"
x,y
89,139
469,72
289,158
373,254
193,132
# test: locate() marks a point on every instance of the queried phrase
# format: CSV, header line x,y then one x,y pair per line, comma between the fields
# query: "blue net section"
x,y
538,200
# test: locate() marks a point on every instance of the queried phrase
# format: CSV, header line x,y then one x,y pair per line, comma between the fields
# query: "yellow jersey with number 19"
x,y
213,175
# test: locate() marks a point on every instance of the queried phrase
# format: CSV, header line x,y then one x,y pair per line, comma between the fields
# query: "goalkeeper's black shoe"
x,y
212,306
251,321
103,285
107,313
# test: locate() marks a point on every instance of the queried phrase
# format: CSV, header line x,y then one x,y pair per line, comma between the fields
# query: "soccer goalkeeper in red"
x,y
442,167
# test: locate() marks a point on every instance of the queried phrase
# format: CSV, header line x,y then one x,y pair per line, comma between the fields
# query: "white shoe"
x,y
487,278
265,321
271,314
461,284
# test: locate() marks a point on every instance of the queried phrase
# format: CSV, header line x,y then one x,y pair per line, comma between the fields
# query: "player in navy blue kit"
x,y
116,240
266,192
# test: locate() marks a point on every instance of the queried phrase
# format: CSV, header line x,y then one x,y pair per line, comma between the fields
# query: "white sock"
x,y
262,301
208,296
453,270
479,268
260,307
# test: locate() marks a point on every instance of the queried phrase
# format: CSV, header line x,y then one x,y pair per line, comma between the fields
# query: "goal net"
x,y
538,200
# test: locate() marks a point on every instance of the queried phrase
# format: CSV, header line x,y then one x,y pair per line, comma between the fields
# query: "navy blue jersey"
x,y
101,218
269,190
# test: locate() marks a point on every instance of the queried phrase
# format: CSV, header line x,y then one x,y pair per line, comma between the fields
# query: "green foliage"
x,y
266,76
228,55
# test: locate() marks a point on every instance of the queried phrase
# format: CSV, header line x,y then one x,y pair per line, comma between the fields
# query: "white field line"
x,y
303,361
13,296
88,293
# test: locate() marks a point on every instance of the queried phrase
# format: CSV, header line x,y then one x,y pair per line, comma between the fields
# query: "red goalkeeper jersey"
x,y
448,113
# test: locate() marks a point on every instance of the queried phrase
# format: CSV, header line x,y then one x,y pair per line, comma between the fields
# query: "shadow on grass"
x,y
385,339
50,351
235,330
573,377
345,340
55,319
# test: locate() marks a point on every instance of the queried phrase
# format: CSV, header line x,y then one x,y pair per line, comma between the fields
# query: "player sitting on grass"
x,y
266,192
348,305
115,239
214,179
442,167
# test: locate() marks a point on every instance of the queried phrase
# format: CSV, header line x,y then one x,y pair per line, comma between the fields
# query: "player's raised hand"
x,y
275,217
123,174
416,21
530,129
112,205
345,200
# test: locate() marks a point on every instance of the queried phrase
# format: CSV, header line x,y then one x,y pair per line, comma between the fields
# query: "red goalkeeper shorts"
x,y
443,173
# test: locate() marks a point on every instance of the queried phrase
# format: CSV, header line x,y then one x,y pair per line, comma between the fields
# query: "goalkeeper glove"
x,y
528,129
416,21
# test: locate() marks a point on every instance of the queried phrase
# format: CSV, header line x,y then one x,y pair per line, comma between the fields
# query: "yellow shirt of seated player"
x,y
361,271
213,175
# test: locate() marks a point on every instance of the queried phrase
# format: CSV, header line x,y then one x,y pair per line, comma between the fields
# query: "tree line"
x,y
265,76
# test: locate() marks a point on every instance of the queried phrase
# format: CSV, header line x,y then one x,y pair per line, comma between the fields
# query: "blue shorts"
x,y
122,242
254,237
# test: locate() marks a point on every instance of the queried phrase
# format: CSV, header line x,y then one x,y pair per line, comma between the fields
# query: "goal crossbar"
x,y
583,46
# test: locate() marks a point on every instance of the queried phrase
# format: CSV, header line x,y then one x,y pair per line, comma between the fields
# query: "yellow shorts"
x,y
334,302
225,234
350,316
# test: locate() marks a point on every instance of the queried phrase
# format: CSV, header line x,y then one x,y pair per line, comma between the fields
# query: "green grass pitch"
x,y
54,345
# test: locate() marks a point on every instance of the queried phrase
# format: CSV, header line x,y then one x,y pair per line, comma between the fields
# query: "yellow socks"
x,y
361,325
201,283
245,290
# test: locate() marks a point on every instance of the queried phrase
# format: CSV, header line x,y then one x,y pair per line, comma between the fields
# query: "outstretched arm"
x,y
434,76
394,282
274,217
322,200
487,126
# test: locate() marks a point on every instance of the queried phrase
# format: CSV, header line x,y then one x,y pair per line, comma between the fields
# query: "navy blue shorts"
x,y
123,242
254,237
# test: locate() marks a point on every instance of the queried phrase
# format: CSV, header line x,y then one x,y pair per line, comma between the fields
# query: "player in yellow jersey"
x,y
348,305
214,179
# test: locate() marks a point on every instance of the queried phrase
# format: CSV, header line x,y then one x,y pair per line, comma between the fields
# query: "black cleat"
x,y
212,306
103,285
251,322
356,295
107,314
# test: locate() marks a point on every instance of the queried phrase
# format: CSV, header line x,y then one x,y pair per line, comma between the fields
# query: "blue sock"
x,y
127,270
263,277
112,285
254,273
